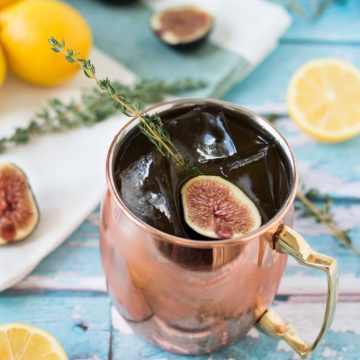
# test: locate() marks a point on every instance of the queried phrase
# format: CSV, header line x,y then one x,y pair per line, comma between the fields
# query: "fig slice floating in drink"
x,y
19,213
218,209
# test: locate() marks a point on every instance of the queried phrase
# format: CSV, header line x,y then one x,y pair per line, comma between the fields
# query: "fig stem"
x,y
150,125
341,235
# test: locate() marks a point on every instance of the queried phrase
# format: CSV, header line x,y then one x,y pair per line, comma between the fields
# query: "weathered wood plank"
x,y
77,325
331,168
63,281
80,323
76,265
340,343
81,248
338,24
268,83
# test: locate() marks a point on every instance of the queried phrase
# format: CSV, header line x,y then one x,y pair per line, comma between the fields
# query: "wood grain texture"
x,y
338,25
81,322
267,85
304,315
66,294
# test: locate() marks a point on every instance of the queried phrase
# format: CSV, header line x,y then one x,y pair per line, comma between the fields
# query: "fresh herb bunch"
x,y
309,7
94,106
272,117
305,204
323,215
150,125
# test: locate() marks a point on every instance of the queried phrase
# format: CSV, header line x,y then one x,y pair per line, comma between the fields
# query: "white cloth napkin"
x,y
249,28
66,171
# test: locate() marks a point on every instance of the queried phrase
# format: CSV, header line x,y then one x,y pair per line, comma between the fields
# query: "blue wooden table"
x,y
66,293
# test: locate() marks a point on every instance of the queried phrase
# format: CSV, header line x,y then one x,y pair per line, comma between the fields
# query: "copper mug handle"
x,y
288,241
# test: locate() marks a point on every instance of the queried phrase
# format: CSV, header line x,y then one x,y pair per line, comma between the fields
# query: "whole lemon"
x,y
24,31
2,66
4,3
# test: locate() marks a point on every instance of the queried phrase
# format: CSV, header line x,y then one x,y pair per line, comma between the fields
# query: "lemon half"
x,y
26,342
324,100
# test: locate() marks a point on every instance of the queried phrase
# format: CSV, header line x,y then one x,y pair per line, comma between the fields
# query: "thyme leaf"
x,y
324,215
93,106
150,125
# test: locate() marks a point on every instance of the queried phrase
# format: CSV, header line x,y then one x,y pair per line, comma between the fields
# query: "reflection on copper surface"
x,y
185,299
186,296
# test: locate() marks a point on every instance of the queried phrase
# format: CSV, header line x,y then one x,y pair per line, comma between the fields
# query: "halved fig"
x,y
183,27
19,213
218,209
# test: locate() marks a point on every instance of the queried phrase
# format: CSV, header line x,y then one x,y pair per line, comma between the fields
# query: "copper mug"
x,y
194,297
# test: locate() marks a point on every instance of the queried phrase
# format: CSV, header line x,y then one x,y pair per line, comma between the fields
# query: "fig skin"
x,y
183,28
10,231
121,2
218,209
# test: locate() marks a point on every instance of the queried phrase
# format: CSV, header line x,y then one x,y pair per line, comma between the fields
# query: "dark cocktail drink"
x,y
194,251
216,141
182,290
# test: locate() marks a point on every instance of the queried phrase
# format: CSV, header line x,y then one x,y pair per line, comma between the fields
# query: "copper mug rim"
x,y
265,124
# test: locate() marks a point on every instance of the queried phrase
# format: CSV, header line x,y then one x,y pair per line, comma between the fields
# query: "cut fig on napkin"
x,y
19,212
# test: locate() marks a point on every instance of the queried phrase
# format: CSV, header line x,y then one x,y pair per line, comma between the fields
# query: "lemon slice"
x,y
324,100
26,342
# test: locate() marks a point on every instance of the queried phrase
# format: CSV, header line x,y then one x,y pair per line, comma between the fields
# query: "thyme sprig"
x,y
315,7
150,125
305,198
323,215
92,107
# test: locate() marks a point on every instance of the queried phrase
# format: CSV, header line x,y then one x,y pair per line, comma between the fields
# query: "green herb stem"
x,y
93,106
151,125
328,221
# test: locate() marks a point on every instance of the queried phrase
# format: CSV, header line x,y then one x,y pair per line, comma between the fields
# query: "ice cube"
x,y
207,138
253,172
215,141
147,190
158,202
133,182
